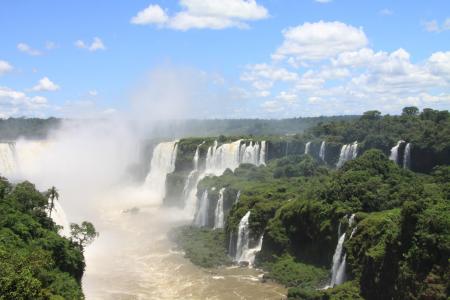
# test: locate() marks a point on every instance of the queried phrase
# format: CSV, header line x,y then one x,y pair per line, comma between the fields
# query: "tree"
x,y
410,111
83,235
52,193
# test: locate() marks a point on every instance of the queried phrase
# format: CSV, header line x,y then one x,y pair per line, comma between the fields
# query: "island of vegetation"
x,y
35,261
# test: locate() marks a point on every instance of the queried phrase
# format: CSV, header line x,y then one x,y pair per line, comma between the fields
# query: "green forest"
x,y
397,244
35,261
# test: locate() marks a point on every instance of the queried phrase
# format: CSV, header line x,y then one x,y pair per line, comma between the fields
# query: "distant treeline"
x,y
30,128
240,127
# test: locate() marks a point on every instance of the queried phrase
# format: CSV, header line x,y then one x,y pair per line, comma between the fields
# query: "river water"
x,y
133,259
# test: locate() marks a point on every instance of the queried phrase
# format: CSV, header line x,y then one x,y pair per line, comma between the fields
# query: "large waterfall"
x,y
307,147
8,162
220,158
407,157
348,152
219,214
162,163
322,151
243,251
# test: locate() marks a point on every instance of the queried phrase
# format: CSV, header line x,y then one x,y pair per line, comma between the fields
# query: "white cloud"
x,y
93,93
318,41
97,44
5,67
153,14
25,48
202,14
272,106
386,12
45,84
349,81
287,97
434,26
323,1
15,103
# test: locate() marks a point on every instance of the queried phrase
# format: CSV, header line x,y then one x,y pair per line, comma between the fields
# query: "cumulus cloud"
x,y
16,103
153,14
331,77
25,48
5,67
318,41
203,14
97,44
45,84
434,26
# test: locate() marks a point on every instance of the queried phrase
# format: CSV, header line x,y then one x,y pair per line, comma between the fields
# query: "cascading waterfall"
x,y
394,151
307,147
348,152
8,162
339,259
219,214
243,236
322,151
243,251
201,219
407,157
226,156
59,217
238,195
192,177
262,154
162,163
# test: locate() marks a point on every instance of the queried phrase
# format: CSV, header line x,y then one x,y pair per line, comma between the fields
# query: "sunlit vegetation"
x,y
35,261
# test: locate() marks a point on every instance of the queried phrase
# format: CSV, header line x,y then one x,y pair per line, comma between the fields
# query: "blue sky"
x,y
234,58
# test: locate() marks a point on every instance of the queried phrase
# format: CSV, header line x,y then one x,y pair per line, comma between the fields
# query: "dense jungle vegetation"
x,y
399,245
35,261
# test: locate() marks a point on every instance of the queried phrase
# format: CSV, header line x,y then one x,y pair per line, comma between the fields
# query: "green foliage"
x,y
203,247
83,235
35,262
293,274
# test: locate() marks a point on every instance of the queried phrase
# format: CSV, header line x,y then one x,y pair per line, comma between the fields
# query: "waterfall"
x,y
307,147
201,219
162,163
8,162
243,251
59,217
322,151
407,157
262,154
192,177
348,152
219,214
226,156
394,151
337,261
238,195
243,236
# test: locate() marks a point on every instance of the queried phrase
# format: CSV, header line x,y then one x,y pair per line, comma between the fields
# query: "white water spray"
x,y
307,147
348,152
219,213
322,151
407,157
162,163
201,219
243,251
